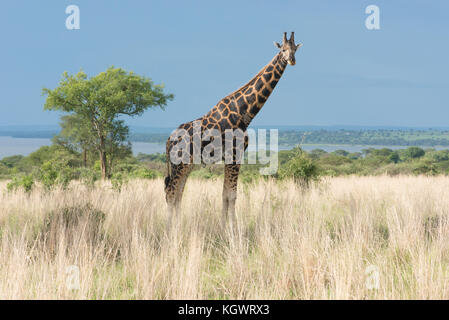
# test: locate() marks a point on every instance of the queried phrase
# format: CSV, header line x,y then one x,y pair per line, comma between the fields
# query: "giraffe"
x,y
233,112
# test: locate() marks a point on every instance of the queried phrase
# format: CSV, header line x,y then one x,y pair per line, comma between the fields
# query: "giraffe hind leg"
x,y
182,179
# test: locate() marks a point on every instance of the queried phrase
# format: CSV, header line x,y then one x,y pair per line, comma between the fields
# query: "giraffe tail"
x,y
168,177
167,181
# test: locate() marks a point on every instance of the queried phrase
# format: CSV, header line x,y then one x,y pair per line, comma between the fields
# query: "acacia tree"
x,y
99,102
116,145
75,135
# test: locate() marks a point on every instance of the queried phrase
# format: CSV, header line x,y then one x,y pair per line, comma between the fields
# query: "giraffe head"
x,y
288,48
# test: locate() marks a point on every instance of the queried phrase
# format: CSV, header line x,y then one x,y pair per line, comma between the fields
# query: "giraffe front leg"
x,y
231,175
170,197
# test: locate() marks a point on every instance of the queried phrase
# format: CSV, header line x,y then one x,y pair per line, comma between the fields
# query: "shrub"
x,y
157,157
26,182
11,161
343,153
248,176
73,224
394,157
384,152
425,168
317,153
204,173
53,173
144,173
4,170
133,170
119,179
334,160
438,156
413,153
301,168
88,176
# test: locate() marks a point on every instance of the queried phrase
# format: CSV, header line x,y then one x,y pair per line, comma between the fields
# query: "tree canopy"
x,y
96,104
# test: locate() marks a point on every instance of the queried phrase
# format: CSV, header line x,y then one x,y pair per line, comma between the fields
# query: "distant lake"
x,y
13,146
148,147
24,146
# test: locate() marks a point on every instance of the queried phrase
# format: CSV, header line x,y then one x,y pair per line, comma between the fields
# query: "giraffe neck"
x,y
251,97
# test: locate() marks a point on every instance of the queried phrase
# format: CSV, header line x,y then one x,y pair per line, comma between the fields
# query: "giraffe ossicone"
x,y
221,134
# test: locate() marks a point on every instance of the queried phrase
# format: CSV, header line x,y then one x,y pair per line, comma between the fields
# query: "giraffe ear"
x,y
299,45
277,45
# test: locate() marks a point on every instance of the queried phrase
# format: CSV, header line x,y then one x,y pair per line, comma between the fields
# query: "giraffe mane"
x,y
250,82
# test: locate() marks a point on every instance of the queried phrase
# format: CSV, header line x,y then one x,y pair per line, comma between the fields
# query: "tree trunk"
x,y
103,159
110,163
85,158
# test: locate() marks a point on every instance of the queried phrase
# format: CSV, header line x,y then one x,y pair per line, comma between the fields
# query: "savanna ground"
x,y
323,243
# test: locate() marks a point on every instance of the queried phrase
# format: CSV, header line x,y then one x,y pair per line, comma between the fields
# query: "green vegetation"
x,y
57,165
94,142
300,167
24,181
94,107
412,160
380,137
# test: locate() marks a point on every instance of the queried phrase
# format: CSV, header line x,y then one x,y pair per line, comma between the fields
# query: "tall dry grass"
x,y
325,243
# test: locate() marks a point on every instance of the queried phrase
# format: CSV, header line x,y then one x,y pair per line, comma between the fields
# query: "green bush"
x,y
425,168
249,176
11,161
26,182
443,166
204,173
53,173
81,222
438,156
156,157
334,160
118,180
315,154
340,152
413,153
384,152
4,170
394,157
144,173
301,168
133,169
88,176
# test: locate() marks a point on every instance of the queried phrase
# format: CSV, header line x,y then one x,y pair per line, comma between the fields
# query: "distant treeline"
x,y
57,165
425,138
378,137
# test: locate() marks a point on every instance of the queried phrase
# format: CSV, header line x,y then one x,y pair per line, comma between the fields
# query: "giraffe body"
x,y
232,113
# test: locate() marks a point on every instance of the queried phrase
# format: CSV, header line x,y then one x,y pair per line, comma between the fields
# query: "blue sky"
x,y
203,50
